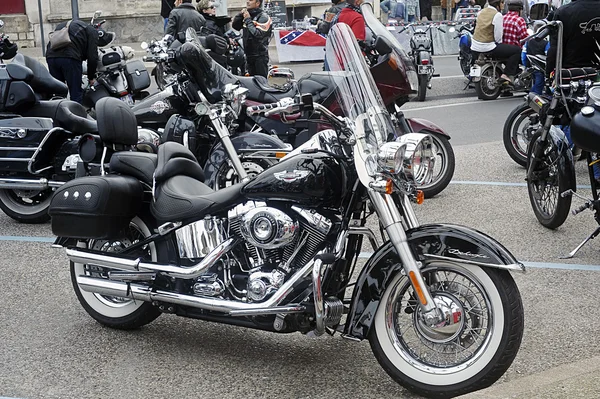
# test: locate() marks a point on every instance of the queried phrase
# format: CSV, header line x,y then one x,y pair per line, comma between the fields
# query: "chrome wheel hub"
x,y
452,322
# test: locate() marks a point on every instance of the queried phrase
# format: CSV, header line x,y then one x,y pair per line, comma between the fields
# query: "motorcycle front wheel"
x,y
116,312
488,87
443,166
26,206
545,184
519,128
474,347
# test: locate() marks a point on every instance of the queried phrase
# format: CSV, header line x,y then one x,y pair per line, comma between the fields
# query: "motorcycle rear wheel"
x,y
422,93
114,312
444,166
519,128
545,185
26,206
488,86
486,310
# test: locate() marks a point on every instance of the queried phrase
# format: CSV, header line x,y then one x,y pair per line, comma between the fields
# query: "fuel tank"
x,y
154,111
312,180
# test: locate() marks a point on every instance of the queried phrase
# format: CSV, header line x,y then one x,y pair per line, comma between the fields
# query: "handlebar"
x,y
541,34
286,104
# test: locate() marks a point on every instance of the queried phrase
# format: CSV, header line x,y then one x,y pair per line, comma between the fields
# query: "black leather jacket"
x,y
324,25
257,32
183,17
84,45
581,35
214,25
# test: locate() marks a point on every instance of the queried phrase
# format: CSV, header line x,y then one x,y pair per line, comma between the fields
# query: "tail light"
x,y
425,61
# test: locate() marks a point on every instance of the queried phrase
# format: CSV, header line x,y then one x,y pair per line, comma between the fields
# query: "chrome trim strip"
x,y
18,148
518,267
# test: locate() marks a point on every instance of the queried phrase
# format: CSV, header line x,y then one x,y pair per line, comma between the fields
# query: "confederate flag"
x,y
302,38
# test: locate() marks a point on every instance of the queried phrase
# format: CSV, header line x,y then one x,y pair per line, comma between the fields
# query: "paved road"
x,y
50,348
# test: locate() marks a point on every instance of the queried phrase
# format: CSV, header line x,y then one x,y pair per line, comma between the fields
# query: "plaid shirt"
x,y
514,28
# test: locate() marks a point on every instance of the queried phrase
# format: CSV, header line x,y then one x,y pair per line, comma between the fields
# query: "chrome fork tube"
x,y
391,219
410,217
229,148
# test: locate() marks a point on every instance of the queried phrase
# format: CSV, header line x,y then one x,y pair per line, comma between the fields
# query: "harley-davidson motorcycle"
x,y
36,135
277,253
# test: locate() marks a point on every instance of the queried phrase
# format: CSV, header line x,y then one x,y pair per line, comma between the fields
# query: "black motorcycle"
x,y
421,49
36,135
277,253
550,167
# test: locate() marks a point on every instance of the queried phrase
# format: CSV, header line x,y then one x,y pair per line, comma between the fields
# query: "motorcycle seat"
x,y
179,195
319,84
140,165
116,122
42,83
572,74
259,90
66,114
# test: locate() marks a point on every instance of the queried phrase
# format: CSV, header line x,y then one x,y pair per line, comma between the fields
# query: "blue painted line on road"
x,y
363,255
26,239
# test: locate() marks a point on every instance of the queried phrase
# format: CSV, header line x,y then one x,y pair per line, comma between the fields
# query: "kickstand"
x,y
573,252
469,81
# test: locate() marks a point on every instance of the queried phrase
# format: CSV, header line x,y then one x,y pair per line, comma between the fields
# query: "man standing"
x,y
165,9
514,26
184,16
64,63
324,25
256,26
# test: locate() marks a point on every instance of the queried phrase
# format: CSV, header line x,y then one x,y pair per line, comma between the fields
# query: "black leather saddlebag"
x,y
95,206
138,77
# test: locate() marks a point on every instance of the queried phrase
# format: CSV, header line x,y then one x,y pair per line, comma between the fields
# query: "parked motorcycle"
x,y
437,302
118,75
421,50
464,34
550,168
36,135
396,79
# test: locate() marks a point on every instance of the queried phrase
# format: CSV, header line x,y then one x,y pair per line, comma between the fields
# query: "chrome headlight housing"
x,y
390,157
418,157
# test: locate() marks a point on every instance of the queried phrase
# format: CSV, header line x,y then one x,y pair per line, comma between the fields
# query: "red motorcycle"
x,y
396,78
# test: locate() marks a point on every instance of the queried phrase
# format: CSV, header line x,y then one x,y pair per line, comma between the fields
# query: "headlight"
x,y
418,157
390,157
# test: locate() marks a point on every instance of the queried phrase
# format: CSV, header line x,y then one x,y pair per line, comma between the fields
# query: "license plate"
x,y
424,69
128,99
475,71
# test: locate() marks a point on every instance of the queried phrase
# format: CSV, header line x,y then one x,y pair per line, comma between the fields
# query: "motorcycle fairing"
x,y
244,141
434,241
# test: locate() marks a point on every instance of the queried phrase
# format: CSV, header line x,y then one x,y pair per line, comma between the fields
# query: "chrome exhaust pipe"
x,y
78,255
28,184
232,308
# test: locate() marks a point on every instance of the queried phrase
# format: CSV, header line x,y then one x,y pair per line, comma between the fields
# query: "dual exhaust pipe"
x,y
28,184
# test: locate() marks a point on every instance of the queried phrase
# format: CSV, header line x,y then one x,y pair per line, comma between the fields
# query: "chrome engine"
x,y
275,242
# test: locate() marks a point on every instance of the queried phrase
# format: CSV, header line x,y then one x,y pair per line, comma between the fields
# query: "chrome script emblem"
x,y
292,176
468,254
159,107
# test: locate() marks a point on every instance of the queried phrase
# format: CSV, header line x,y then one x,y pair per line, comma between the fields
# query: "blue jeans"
x,y
68,70
538,82
166,22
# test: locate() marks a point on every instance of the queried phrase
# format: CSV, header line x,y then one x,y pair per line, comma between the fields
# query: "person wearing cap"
x,y
64,63
184,16
257,27
487,38
513,24
214,25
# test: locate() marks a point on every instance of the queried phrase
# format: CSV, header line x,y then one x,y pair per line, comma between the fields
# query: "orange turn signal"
x,y
420,197
393,64
389,186
417,287
280,154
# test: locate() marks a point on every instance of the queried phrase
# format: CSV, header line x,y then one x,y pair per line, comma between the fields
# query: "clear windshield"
x,y
356,91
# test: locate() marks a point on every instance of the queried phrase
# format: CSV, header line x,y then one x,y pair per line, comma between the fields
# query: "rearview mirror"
x,y
383,45
1,24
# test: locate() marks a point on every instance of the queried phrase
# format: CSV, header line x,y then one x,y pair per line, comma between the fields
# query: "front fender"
x,y
419,125
242,141
428,242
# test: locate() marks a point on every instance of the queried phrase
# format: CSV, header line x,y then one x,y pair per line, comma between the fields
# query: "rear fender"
x,y
244,141
437,241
